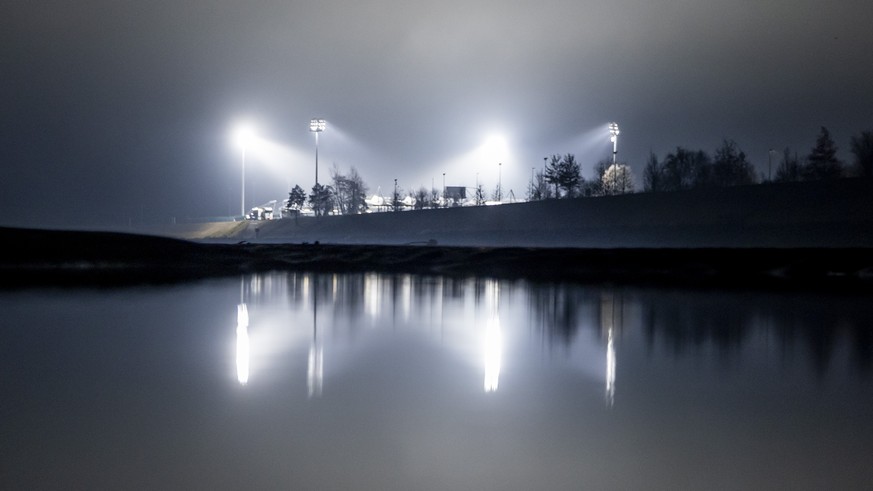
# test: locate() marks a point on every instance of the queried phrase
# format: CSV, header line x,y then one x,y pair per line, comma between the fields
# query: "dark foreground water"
x,y
366,381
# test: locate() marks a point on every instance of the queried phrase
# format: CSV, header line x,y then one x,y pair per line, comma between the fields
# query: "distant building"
x,y
456,194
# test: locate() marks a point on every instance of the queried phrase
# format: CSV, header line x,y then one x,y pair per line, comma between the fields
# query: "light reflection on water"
x,y
372,381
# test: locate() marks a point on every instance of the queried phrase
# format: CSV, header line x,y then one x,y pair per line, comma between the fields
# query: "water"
x,y
299,381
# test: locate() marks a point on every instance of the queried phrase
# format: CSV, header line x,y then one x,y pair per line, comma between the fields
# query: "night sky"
x,y
119,112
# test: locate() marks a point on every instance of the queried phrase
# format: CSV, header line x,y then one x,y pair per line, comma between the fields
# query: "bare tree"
x,y
862,148
541,189
730,167
617,179
422,199
790,168
480,195
350,192
685,169
435,198
653,175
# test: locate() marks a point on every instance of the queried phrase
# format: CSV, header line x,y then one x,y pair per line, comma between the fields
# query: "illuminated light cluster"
x,y
613,131
317,125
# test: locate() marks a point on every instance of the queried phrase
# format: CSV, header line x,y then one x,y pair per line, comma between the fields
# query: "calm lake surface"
x,y
369,381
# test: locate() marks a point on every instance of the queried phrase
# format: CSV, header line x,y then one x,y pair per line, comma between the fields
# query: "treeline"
x,y
561,177
688,169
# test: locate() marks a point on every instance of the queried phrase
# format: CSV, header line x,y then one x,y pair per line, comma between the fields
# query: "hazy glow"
x,y
242,344
282,160
495,148
244,135
587,146
479,165
372,295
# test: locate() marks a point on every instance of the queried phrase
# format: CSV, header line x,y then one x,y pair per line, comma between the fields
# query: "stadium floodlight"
x,y
613,132
316,126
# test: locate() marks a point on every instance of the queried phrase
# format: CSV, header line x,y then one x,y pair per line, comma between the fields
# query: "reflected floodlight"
x,y
242,344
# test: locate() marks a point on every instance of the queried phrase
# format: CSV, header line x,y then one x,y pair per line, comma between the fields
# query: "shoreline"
x,y
69,258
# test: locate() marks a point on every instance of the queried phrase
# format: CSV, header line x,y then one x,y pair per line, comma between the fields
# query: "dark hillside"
x,y
809,214
807,235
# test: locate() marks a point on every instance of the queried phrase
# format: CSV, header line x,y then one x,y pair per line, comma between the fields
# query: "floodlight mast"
x,y
316,126
244,136
500,182
613,132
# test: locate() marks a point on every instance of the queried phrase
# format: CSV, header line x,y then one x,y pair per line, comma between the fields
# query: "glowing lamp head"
x,y
244,136
317,125
613,129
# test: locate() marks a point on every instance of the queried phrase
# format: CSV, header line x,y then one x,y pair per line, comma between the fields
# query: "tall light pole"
x,y
770,165
316,126
499,182
613,132
244,136
445,203
530,190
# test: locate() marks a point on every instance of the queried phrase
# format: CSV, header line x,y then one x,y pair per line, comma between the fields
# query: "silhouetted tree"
x,y
571,175
790,169
564,173
685,169
321,199
594,186
553,173
730,167
396,200
350,192
296,198
480,195
653,175
541,189
497,195
434,198
862,148
422,199
822,162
